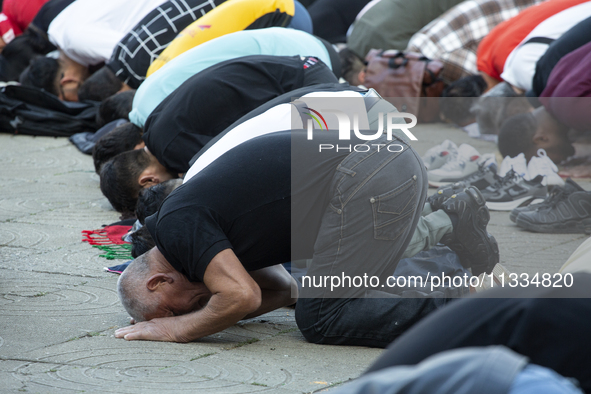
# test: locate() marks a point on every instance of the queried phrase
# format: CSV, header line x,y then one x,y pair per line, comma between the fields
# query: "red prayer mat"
x,y
109,239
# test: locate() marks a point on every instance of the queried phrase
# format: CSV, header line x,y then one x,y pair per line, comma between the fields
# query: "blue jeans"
x,y
377,200
534,379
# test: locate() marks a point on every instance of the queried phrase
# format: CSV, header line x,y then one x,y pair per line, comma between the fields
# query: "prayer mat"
x,y
109,239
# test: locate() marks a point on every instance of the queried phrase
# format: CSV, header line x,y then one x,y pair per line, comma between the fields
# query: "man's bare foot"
x,y
580,171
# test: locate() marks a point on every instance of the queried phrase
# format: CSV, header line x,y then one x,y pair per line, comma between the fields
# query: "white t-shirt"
x,y
520,66
278,118
87,31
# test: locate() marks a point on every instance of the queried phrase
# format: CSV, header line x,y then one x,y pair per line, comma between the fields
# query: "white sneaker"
x,y
542,165
461,166
440,154
488,159
517,163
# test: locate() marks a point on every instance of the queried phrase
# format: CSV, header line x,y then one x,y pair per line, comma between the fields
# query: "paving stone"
x,y
108,365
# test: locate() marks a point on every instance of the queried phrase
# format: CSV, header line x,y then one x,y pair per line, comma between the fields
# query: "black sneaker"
x,y
485,177
476,248
443,193
513,191
570,186
566,213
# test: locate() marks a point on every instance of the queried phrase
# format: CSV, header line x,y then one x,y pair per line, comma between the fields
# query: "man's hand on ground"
x,y
161,329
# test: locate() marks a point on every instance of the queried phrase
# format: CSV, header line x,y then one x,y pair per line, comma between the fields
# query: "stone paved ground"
x,y
58,309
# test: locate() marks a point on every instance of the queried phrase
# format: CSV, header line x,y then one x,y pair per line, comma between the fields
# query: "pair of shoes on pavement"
x,y
475,247
502,193
513,190
538,165
489,178
566,210
520,183
447,163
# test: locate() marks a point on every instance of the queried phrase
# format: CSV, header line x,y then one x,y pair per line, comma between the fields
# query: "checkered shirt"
x,y
453,38
133,55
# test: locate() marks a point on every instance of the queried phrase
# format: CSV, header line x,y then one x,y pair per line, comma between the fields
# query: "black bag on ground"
x,y
32,111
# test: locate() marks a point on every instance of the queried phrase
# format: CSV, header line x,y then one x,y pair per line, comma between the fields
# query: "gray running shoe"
x,y
566,213
513,191
485,177
570,186
476,248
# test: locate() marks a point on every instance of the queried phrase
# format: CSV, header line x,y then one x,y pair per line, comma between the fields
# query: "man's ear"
x,y
539,137
361,76
157,280
69,88
66,79
148,180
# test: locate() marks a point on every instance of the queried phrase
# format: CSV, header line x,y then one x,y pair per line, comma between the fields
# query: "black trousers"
x,y
375,204
552,332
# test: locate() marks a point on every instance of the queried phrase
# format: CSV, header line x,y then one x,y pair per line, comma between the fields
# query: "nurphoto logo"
x,y
345,128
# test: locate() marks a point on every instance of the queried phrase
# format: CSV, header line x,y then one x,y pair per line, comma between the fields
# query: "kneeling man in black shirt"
x,y
221,237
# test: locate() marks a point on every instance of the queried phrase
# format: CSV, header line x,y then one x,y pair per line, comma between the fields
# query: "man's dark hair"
x,y
460,96
100,85
351,64
141,242
516,135
148,203
149,199
119,179
18,54
42,73
121,139
118,106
